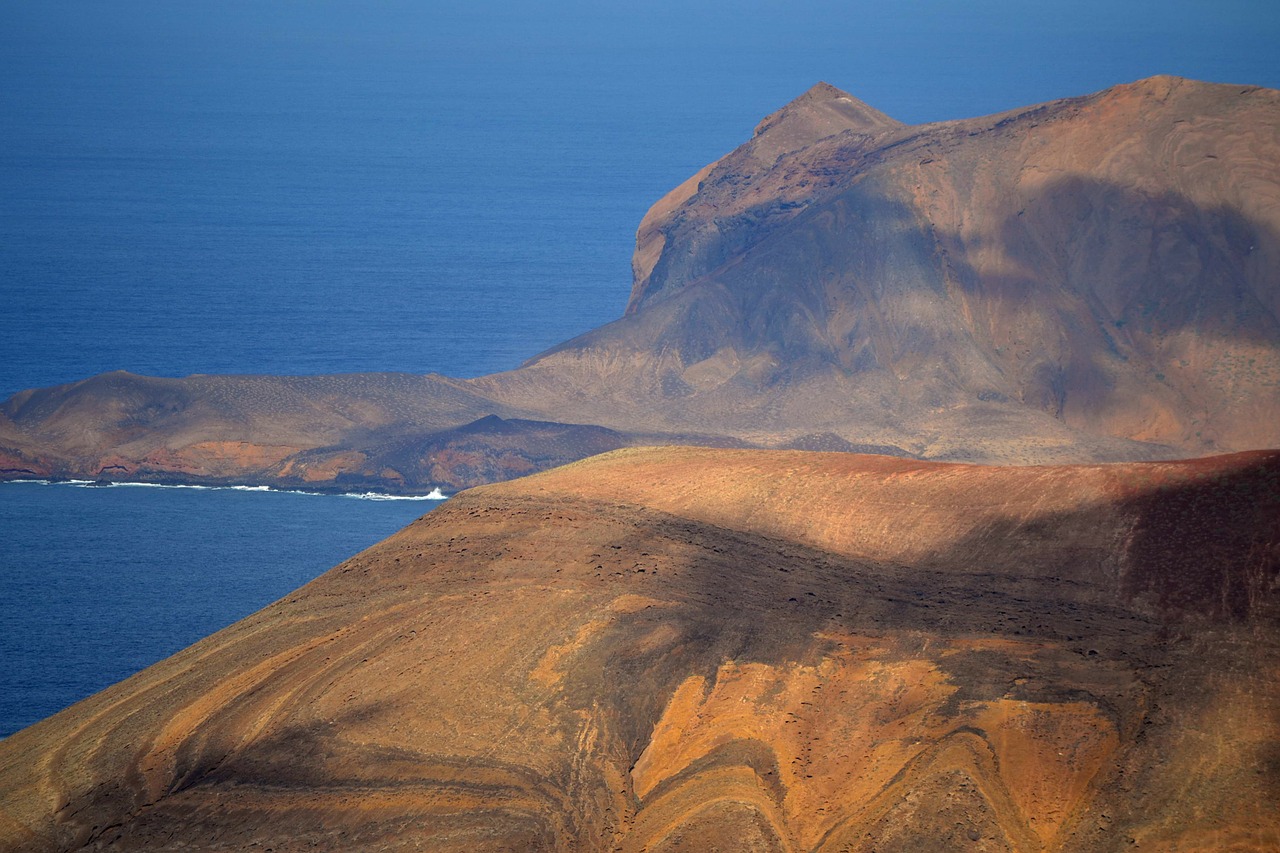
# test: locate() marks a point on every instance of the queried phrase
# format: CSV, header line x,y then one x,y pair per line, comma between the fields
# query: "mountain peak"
x,y
820,112
822,90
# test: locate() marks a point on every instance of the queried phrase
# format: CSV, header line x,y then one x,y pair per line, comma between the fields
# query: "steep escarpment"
x,y
677,649
1090,279
1075,275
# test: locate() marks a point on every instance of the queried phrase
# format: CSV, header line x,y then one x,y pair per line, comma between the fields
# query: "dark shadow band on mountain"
x,y
1203,547
1133,272
779,295
720,594
1130,312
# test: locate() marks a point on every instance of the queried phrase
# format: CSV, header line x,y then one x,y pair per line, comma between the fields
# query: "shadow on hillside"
x,y
863,281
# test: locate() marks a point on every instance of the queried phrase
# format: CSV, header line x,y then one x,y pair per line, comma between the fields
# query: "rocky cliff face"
x,y
681,649
1089,279
1080,273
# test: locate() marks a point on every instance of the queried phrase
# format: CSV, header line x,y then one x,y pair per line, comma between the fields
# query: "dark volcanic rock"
x,y
486,450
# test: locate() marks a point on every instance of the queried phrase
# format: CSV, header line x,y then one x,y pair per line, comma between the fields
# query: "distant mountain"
x,y
1096,278
1062,279
686,649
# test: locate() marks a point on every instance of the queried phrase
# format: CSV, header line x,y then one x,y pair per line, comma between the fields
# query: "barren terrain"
x,y
682,648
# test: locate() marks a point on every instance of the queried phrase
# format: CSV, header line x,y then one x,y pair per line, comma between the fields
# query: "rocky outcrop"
x,y
1096,278
1071,278
679,649
487,450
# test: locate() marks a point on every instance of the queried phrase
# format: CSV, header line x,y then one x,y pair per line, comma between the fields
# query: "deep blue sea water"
x,y
131,574
280,186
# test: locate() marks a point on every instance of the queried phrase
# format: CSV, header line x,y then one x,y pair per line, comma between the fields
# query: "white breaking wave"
x,y
433,495
113,484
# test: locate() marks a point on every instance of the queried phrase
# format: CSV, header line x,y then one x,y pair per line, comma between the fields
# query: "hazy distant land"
x,y
1089,279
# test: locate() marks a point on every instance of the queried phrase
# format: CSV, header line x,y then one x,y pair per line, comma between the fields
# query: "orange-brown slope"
x,y
676,649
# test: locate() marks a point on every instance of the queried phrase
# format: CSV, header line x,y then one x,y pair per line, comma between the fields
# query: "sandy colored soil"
x,y
691,649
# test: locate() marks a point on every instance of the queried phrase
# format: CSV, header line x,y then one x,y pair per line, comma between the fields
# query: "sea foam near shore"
x,y
434,495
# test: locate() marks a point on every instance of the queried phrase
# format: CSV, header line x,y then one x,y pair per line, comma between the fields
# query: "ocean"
x,y
100,582
300,188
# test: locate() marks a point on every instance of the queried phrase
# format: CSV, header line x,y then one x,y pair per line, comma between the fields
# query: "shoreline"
x,y
434,495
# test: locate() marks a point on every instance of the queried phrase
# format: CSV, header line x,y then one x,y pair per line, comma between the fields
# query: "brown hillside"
x,y
678,649
1060,279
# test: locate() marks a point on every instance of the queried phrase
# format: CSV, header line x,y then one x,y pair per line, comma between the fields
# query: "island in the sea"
x,y
743,639
1096,278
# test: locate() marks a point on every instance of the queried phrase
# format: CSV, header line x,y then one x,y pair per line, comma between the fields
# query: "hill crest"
x,y
850,652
